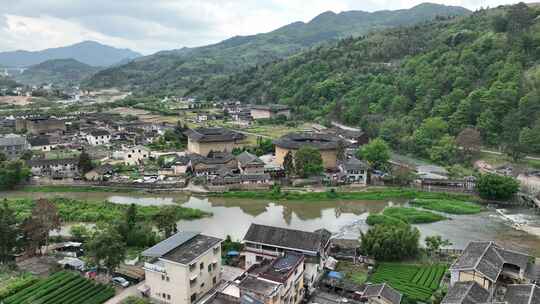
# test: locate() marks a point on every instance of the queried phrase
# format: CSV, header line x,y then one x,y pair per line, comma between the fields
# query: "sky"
x,y
148,26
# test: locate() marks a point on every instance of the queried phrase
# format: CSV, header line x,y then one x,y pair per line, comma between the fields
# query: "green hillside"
x,y
172,71
56,71
417,87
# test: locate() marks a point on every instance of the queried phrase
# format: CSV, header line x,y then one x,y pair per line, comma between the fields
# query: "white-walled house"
x,y
98,137
182,268
133,156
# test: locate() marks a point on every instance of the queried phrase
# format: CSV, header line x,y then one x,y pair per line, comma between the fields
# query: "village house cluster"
x,y
278,266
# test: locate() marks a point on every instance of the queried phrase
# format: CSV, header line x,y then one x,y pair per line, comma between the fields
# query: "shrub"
x,y
497,187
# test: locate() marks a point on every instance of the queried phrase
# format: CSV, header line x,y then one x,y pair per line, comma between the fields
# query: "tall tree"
x,y
12,173
43,219
376,153
434,243
288,164
9,232
165,221
496,187
390,243
469,141
106,248
308,161
85,163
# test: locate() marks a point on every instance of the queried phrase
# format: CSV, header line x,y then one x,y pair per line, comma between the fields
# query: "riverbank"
x,y
77,188
375,194
73,210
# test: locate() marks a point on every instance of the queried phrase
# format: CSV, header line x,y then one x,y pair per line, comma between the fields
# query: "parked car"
x,y
119,281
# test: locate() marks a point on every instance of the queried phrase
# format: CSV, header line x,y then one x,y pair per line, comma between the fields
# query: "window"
x,y
168,279
202,266
216,250
193,298
192,267
168,297
202,284
214,280
163,277
209,267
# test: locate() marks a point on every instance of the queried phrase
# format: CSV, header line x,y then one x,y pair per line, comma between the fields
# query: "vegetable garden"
x,y
62,287
418,282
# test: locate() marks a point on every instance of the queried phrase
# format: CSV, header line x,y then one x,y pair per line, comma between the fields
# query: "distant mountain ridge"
x,y
88,52
174,70
56,71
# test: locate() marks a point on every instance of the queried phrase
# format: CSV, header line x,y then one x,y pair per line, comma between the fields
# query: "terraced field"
x,y
418,282
62,287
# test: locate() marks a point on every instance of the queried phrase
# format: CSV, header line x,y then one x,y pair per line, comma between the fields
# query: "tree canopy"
x,y
308,161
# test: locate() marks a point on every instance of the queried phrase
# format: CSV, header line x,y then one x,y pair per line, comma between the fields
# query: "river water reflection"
x,y
344,218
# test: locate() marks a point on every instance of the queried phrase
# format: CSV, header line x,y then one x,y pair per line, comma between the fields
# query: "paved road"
x,y
130,291
500,153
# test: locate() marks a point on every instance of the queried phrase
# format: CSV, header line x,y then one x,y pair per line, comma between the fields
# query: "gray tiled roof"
x,y
53,162
522,294
317,140
12,140
213,135
383,290
466,293
246,158
99,132
488,259
286,238
354,164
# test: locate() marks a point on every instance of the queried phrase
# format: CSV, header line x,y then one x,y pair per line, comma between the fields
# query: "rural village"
x,y
226,192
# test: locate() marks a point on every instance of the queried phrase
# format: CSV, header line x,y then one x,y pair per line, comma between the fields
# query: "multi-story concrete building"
x,y
182,268
13,146
203,140
98,137
56,168
267,242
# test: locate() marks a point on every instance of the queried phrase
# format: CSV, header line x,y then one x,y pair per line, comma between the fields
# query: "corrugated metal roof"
x,y
167,245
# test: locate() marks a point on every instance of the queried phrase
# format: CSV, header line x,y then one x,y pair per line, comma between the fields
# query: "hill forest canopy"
x,y
416,87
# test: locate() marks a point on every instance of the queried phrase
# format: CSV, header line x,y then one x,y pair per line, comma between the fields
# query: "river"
x,y
516,228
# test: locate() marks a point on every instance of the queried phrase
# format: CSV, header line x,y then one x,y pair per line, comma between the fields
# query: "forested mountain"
x,y
417,87
88,52
172,71
56,71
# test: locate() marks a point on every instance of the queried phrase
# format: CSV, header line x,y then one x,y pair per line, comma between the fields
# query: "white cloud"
x,y
151,25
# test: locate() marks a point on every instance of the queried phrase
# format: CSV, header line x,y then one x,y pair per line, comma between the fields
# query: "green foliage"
x,y
288,164
434,243
17,284
9,232
79,233
85,163
390,243
412,215
381,219
379,194
416,282
165,221
438,78
135,300
177,70
447,206
376,153
71,210
62,287
12,173
107,248
496,187
308,162
56,71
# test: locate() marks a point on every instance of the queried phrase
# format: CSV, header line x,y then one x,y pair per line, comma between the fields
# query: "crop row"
x,y
416,281
62,287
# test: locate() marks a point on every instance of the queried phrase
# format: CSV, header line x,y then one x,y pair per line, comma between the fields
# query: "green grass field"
x,y
412,215
71,210
447,206
353,272
62,287
418,282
